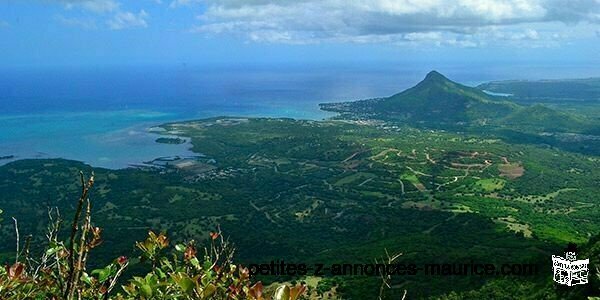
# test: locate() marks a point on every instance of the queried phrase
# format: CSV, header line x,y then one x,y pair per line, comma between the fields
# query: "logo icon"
x,y
568,270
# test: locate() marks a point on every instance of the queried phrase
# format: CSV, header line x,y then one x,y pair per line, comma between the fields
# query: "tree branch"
x,y
85,188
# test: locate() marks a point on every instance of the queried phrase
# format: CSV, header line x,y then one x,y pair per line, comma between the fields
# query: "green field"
x,y
433,184
490,184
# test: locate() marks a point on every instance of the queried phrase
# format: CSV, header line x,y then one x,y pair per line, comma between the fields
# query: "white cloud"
x,y
4,24
96,6
76,22
111,11
420,36
458,22
179,3
123,20
528,34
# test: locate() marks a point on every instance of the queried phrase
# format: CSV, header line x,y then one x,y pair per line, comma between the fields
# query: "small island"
x,y
171,140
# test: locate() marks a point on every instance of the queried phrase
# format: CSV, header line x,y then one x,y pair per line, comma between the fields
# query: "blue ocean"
x,y
102,115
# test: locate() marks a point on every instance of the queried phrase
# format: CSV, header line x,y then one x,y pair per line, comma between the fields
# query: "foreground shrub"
x,y
175,273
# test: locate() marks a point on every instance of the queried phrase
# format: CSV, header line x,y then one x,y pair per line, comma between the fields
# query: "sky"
x,y
40,33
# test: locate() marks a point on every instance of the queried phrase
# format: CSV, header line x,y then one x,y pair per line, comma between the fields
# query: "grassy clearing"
x,y
412,178
353,178
490,184
514,225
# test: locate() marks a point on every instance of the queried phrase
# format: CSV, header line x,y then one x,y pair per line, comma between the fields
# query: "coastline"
x,y
115,140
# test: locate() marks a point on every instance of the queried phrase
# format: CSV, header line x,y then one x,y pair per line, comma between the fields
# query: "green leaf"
x,y
209,290
146,291
282,293
186,284
137,281
151,279
195,262
52,250
86,278
104,274
180,247
207,265
160,274
207,278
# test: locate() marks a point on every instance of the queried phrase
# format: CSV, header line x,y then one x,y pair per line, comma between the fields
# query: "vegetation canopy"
x,y
180,273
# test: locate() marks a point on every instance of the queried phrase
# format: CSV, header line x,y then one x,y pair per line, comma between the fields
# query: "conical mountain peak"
x,y
439,102
435,77
442,100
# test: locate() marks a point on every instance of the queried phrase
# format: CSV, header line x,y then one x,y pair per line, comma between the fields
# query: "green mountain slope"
x,y
438,99
544,118
441,103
